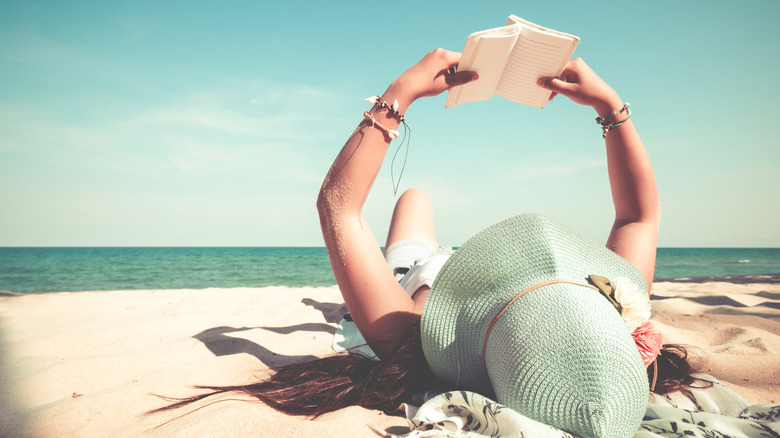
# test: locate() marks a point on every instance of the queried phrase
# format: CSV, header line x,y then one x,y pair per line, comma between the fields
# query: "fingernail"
x,y
474,76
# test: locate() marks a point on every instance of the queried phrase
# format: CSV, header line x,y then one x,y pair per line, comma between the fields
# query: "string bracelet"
x,y
392,134
605,119
607,123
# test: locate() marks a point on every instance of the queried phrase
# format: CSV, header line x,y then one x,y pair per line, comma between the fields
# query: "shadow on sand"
x,y
219,341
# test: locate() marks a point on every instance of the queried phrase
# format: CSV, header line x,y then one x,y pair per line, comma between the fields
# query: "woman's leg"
x,y
411,236
412,219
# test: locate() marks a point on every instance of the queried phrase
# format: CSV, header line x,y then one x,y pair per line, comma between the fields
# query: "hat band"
x,y
529,289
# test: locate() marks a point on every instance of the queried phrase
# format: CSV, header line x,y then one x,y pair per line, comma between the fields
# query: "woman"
x,y
388,311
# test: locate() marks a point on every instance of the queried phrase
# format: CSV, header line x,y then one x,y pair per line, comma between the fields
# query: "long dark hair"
x,y
675,369
331,383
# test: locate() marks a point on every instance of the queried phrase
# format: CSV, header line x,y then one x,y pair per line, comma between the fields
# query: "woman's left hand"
x,y
431,76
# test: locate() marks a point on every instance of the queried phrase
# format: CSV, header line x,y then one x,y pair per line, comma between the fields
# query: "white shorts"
x,y
415,263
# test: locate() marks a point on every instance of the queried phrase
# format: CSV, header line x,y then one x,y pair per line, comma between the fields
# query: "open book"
x,y
509,61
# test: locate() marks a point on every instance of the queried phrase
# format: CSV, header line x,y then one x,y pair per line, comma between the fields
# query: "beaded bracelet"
x,y
605,123
391,109
603,120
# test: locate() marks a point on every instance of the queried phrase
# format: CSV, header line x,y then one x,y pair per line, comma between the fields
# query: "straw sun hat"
x,y
513,314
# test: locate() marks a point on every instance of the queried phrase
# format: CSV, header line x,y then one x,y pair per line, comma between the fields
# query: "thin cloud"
x,y
536,171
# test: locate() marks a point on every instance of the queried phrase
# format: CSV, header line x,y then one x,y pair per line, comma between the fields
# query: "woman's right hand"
x,y
582,85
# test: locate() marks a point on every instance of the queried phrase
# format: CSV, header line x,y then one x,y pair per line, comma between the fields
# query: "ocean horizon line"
x,y
311,246
50,269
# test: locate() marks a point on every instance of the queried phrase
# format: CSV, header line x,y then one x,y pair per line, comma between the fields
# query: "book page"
x,y
486,53
537,53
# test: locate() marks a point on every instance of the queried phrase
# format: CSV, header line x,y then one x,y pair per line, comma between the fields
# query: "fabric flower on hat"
x,y
635,304
634,307
648,342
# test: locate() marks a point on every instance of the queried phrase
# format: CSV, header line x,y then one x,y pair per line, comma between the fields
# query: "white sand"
x,y
86,363
735,326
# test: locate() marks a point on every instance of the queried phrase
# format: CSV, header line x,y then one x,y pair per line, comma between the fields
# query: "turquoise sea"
x,y
81,269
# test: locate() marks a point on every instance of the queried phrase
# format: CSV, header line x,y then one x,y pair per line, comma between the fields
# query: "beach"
x,y
88,364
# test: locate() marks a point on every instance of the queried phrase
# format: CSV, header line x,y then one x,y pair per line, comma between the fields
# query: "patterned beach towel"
x,y
715,412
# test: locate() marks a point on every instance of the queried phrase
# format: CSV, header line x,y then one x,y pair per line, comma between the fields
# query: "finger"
x,y
447,57
557,85
460,78
452,57
552,95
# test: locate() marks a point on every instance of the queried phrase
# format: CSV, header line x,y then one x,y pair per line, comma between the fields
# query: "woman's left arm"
x,y
632,180
634,234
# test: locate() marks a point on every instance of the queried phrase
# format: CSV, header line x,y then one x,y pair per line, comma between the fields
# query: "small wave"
x,y
744,261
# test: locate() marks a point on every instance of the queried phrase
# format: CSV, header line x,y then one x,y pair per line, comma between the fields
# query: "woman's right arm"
x,y
378,304
634,233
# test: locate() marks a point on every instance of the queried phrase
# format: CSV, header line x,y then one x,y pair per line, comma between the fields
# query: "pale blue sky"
x,y
149,123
